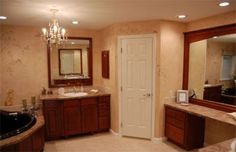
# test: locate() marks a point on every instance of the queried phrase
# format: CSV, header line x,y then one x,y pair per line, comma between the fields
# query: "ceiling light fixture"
x,y
214,37
182,16
75,22
3,17
55,34
223,4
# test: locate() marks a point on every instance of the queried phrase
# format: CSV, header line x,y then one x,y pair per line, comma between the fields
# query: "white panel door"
x,y
136,81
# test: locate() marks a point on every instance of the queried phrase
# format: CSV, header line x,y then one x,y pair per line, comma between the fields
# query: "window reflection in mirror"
x,y
212,69
69,62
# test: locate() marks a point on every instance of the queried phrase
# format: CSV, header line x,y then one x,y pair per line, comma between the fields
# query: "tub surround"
x,y
205,112
24,135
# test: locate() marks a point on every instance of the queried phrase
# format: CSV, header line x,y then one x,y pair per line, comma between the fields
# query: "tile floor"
x,y
107,142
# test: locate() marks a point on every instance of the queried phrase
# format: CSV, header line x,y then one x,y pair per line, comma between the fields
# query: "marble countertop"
x,y
219,147
20,137
61,97
204,112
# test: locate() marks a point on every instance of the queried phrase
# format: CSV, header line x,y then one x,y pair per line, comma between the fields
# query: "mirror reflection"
x,y
69,62
212,69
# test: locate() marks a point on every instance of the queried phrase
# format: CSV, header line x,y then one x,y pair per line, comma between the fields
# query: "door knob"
x,y
147,95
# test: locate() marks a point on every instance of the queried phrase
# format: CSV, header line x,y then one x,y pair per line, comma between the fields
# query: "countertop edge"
x,y
61,97
230,120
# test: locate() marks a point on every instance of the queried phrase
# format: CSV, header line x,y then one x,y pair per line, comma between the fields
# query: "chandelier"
x,y
55,34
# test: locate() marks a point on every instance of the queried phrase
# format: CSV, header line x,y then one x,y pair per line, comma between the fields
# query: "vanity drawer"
x,y
104,99
51,104
175,134
104,109
175,122
179,115
89,101
104,112
71,103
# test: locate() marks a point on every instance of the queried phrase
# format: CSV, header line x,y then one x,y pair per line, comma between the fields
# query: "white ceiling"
x,y
97,14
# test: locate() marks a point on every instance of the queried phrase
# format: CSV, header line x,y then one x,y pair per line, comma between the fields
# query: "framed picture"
x,y
182,96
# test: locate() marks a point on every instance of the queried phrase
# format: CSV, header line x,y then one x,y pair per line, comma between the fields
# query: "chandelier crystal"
x,y
55,34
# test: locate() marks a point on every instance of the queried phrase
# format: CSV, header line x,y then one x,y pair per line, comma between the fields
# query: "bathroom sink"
x,y
75,94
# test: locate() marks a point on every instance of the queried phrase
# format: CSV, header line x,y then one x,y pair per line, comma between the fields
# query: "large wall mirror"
x,y
70,63
210,67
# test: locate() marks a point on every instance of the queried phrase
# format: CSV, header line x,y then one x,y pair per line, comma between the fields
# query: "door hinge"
x,y
121,124
121,88
121,50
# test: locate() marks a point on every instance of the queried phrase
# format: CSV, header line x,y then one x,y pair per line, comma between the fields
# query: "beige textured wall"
x,y
213,21
171,68
24,60
169,62
1,64
197,67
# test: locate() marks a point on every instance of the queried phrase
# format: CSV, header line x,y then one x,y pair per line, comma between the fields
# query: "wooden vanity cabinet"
x,y
77,116
53,119
184,129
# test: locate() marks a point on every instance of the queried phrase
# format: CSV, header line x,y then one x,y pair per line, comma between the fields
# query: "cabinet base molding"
x,y
113,132
157,140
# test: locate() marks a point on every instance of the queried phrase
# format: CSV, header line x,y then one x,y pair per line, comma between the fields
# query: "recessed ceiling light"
x,y
75,22
3,17
222,4
182,16
214,37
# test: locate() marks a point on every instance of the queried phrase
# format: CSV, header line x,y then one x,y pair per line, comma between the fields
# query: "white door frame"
x,y
153,36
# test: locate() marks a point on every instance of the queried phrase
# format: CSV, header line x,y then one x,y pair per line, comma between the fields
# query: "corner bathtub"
x,y
14,123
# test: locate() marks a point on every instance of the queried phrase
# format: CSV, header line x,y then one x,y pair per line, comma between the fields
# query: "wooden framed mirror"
x,y
205,78
70,63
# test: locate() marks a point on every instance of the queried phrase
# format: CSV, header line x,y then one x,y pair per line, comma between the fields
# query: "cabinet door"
x,y
104,113
72,117
53,119
89,115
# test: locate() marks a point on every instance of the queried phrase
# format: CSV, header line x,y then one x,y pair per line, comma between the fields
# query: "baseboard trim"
x,y
161,139
113,132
